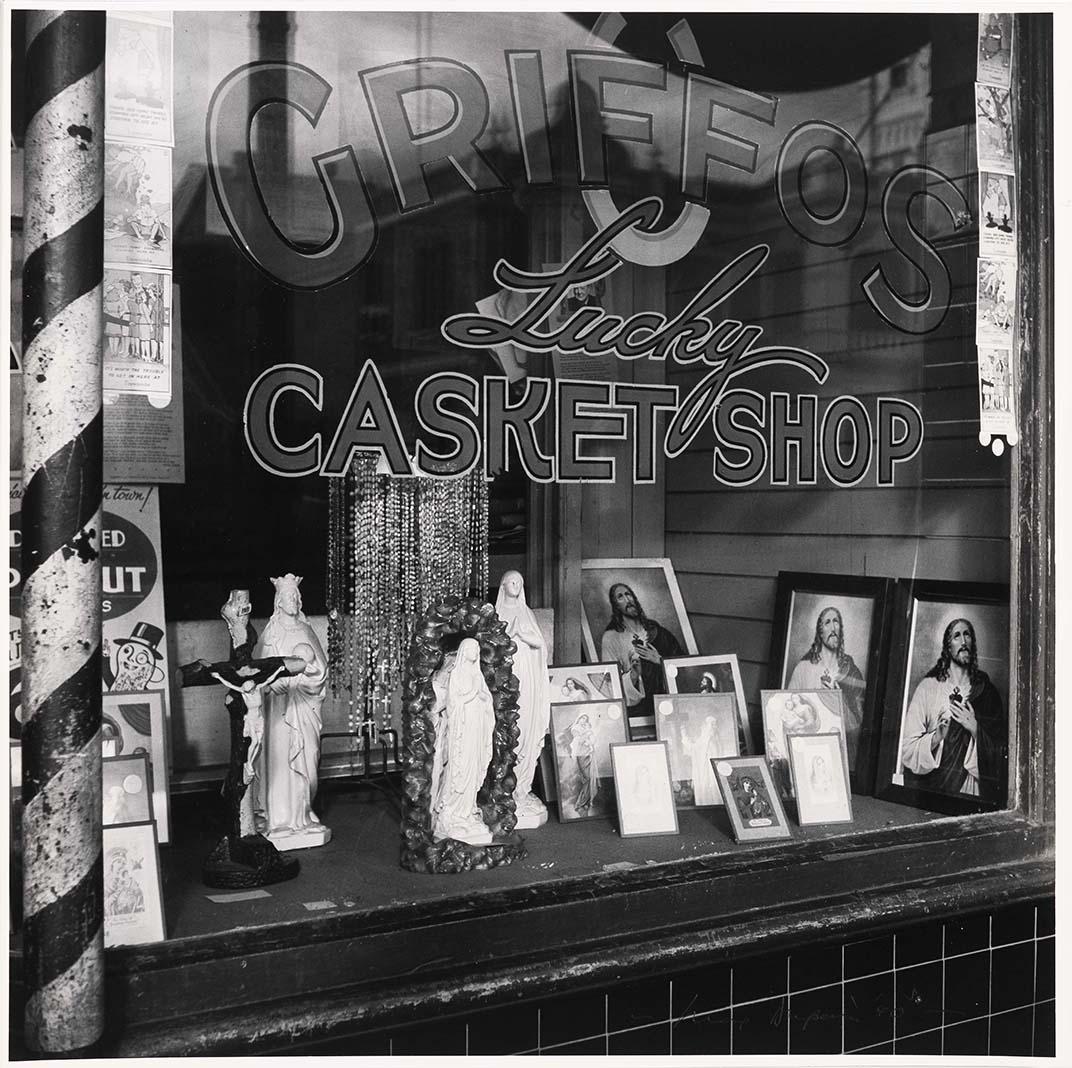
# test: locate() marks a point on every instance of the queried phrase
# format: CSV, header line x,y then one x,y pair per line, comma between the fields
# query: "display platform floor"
x,y
359,870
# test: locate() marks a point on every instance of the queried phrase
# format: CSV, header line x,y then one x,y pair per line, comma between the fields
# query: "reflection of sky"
x,y
337,45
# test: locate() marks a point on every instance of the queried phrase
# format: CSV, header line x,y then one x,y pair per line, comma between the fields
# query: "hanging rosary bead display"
x,y
395,545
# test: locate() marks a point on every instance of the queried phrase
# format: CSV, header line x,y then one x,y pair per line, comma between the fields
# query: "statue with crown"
x,y
286,780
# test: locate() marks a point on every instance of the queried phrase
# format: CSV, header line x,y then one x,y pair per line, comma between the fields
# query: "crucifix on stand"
x,y
243,858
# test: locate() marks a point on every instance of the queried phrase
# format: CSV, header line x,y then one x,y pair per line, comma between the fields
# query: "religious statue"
x,y
288,763
242,858
463,747
534,699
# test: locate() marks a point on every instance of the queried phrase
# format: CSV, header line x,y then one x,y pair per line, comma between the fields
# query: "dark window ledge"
x,y
386,966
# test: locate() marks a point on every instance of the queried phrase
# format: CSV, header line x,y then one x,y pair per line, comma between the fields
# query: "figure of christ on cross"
x,y
243,858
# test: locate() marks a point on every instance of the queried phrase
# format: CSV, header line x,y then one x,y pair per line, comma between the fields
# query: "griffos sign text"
x,y
464,422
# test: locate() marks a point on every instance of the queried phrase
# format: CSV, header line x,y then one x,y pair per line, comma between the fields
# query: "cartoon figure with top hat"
x,y
135,662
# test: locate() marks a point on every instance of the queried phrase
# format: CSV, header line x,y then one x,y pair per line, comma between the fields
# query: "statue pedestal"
x,y
307,839
531,812
527,821
472,832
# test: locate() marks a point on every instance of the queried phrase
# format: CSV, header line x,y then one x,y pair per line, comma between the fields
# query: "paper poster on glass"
x,y
581,735
580,366
794,712
820,773
996,408
995,301
143,433
995,49
126,794
137,204
697,727
994,140
137,331
139,80
997,214
750,798
133,896
132,724
14,596
642,789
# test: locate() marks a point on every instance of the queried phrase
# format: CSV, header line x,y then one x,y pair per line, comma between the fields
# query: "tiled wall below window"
x,y
974,985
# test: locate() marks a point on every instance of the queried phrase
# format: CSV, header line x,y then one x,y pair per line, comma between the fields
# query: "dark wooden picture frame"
x,y
114,807
925,605
805,594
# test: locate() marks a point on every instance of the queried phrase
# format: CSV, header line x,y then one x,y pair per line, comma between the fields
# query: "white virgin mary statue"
x,y
463,751
534,696
288,765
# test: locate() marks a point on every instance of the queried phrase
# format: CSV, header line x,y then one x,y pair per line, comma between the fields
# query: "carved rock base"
x,y
448,856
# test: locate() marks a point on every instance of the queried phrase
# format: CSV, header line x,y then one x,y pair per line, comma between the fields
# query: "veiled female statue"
x,y
463,747
534,699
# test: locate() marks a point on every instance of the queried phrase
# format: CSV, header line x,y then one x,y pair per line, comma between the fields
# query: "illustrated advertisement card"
x,y
995,49
137,331
133,725
642,788
994,138
820,770
134,653
796,712
126,793
997,214
995,306
133,896
697,727
581,735
137,204
996,408
138,88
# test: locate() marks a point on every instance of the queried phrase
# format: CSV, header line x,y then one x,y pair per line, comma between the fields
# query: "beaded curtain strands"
x,y
394,546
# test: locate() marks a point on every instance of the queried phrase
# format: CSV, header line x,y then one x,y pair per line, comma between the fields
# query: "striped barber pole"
x,y
62,472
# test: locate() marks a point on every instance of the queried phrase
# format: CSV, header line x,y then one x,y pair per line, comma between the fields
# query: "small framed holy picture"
x,y
751,800
642,788
820,770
